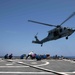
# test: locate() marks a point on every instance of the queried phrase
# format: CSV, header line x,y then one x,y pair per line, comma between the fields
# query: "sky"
x,y
16,33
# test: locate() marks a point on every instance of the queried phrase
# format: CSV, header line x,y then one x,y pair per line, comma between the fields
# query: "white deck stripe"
x,y
47,70
46,63
9,64
36,66
25,72
69,60
70,72
13,66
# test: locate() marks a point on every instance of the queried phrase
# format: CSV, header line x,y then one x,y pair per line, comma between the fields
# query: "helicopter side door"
x,y
56,33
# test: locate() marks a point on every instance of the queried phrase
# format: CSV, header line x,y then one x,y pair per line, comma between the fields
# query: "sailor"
x,y
10,56
30,54
6,56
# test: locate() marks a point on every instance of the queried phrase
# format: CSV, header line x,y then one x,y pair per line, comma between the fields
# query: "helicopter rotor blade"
x,y
36,34
42,23
68,18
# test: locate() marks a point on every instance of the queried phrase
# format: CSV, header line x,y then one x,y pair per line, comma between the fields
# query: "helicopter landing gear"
x,y
41,45
66,37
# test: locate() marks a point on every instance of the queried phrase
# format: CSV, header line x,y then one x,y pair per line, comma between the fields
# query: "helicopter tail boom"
x,y
37,41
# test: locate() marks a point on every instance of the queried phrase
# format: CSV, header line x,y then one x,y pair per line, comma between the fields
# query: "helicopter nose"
x,y
74,30
69,29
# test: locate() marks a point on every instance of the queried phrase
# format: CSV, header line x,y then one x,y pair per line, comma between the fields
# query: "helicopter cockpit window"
x,y
49,34
64,28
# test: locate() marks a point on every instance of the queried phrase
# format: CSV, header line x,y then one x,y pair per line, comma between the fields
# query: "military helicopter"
x,y
56,33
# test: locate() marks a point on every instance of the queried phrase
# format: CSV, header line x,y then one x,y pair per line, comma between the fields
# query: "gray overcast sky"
x,y
16,33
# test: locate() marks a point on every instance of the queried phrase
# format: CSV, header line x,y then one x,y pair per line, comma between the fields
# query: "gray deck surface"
x,y
33,67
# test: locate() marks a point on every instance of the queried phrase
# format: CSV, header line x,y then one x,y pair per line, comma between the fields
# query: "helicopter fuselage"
x,y
57,33
60,32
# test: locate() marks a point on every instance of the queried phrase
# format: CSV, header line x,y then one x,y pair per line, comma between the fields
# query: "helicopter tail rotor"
x,y
36,37
36,34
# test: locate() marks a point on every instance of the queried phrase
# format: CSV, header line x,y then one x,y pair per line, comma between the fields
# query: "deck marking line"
x,y
25,72
9,64
69,60
13,66
46,62
36,66
43,64
40,68
70,72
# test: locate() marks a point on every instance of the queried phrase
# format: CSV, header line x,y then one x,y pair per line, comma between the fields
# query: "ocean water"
x,y
70,57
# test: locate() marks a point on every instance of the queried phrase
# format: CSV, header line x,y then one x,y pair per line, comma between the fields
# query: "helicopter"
x,y
58,32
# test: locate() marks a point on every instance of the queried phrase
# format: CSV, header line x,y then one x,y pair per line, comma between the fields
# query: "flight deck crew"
x,y
30,54
6,56
10,56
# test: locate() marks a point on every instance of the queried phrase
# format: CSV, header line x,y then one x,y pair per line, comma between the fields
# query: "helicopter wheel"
x,y
66,37
41,45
